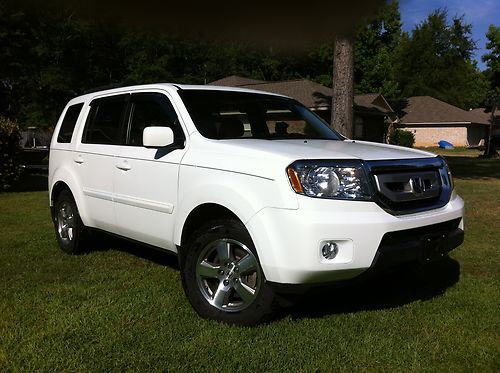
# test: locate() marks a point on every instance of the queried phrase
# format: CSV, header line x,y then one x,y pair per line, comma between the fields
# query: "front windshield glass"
x,y
234,115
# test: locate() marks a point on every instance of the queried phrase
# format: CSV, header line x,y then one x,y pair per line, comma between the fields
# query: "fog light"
x,y
329,250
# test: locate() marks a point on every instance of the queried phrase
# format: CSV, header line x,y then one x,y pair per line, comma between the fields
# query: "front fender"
x,y
242,194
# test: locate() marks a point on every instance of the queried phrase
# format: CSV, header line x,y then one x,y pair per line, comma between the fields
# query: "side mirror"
x,y
157,137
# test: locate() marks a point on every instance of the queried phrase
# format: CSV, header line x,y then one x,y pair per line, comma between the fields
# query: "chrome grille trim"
x,y
410,185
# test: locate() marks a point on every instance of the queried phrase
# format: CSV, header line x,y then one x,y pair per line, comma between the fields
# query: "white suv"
x,y
252,191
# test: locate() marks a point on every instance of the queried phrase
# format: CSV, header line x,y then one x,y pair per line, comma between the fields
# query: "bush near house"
x,y
402,138
10,152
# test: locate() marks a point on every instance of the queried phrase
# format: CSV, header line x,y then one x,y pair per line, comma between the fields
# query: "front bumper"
x,y
424,244
288,242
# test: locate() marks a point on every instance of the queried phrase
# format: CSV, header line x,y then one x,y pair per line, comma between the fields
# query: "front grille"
x,y
409,186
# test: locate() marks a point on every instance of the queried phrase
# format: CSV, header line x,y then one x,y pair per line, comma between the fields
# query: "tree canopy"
x,y
374,59
492,58
436,60
48,55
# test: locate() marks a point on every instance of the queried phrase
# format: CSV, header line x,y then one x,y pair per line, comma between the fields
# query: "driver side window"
x,y
151,110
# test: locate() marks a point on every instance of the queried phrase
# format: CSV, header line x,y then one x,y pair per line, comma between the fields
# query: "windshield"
x,y
234,115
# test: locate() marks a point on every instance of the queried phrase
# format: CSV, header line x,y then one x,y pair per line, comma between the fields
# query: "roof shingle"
x,y
235,81
427,109
479,116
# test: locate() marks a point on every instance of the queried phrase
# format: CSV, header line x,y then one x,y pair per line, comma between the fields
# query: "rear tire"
x,y
222,276
69,228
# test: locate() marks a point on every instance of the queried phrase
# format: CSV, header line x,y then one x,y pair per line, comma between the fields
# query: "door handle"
x,y
124,166
78,159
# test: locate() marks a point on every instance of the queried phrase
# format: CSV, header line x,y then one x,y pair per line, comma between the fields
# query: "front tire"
x,y
222,276
69,228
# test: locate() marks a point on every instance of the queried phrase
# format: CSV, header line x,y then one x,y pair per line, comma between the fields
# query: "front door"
x,y
145,179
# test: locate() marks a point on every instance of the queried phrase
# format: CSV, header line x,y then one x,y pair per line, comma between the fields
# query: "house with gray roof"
x,y
432,120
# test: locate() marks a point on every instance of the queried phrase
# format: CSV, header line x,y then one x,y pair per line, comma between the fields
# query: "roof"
x,y
479,116
430,110
309,93
373,102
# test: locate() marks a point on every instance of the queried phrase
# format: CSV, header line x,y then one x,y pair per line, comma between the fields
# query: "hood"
x,y
328,149
269,158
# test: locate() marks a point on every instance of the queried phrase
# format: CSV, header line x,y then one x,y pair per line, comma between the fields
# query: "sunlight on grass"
x,y
122,308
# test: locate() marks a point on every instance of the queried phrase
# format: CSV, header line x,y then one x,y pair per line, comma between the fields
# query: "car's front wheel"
x,y
222,276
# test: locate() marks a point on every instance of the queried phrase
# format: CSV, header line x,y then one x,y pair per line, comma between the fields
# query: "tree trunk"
x,y
490,151
343,86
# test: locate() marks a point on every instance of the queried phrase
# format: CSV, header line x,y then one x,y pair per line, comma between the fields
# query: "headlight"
x,y
330,179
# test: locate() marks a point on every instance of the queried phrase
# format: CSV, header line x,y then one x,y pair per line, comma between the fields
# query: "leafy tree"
x,y
492,58
48,57
492,74
374,60
436,60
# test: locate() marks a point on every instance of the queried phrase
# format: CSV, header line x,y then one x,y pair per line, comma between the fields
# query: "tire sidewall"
x,y
256,312
73,246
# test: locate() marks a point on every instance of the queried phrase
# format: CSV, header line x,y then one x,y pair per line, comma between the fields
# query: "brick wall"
x,y
430,136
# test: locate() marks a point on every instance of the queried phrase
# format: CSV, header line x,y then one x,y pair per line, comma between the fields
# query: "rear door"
x,y
93,158
145,179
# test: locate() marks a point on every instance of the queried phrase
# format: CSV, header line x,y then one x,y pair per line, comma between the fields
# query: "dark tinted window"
x,y
68,123
151,110
230,115
105,121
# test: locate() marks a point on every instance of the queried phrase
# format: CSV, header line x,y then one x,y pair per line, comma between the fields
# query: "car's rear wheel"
x,y
70,230
222,276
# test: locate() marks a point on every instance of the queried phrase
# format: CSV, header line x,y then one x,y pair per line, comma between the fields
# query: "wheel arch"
x,y
57,188
203,213
64,179
55,191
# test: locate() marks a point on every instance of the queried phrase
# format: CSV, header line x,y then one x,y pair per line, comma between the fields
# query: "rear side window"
x,y
69,123
105,121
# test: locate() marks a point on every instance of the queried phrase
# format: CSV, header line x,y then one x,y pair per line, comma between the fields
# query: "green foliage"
x,y
435,60
492,59
402,138
48,55
10,153
373,52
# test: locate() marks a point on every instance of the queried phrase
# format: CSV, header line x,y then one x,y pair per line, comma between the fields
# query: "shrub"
x,y
402,138
10,153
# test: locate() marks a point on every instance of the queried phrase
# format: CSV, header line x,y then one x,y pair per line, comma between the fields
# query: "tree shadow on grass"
x,y
473,167
386,290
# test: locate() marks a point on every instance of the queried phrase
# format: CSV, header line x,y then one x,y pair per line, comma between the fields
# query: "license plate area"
x,y
435,246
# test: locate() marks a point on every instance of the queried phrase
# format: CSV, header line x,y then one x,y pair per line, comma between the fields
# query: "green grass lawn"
x,y
121,307
457,151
